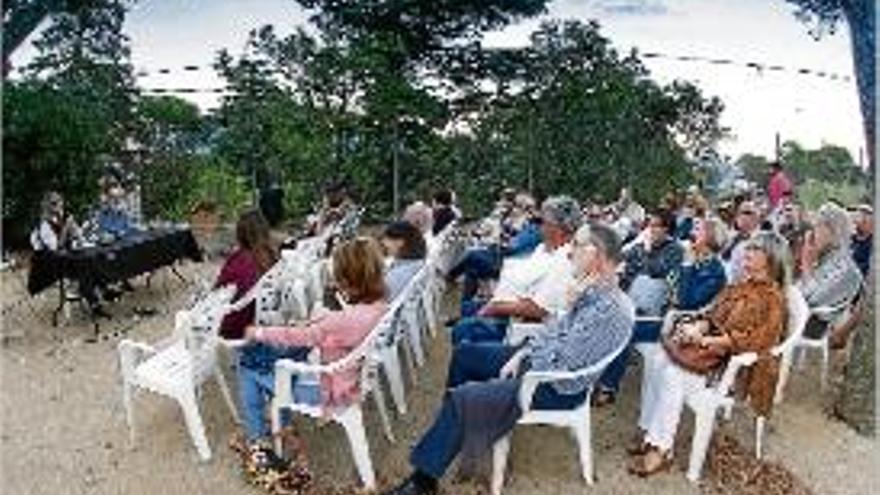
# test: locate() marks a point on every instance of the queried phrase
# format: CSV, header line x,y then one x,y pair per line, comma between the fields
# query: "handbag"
x,y
685,352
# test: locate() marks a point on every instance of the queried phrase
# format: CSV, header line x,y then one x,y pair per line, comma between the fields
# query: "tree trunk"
x,y
860,18
856,403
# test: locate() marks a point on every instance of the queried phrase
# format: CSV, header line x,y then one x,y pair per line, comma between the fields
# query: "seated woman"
x,y
113,215
649,262
480,404
406,247
828,274
693,284
748,316
357,268
253,257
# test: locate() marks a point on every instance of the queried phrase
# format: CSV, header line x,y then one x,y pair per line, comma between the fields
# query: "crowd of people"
x,y
589,274
595,277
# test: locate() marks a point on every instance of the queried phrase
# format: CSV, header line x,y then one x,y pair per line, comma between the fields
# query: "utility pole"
x,y
778,147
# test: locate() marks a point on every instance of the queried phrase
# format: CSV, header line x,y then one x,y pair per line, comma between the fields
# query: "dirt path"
x,y
63,427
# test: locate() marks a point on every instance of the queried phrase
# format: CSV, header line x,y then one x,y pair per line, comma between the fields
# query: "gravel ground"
x,y
63,426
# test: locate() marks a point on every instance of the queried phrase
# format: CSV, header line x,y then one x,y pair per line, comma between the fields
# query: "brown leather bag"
x,y
687,354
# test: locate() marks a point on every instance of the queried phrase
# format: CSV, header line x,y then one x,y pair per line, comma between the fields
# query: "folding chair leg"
x,y
391,366
357,438
195,426
703,425
411,363
784,370
275,414
227,396
499,463
760,423
414,336
583,436
127,395
379,397
825,361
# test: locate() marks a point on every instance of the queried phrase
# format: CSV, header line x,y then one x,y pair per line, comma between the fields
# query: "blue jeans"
x,y
256,384
474,362
613,374
480,329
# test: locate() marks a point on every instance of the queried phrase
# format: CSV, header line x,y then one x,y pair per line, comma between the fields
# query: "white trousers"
x,y
665,386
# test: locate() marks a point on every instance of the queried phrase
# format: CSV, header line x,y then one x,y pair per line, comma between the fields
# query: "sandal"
x,y
652,462
265,469
638,445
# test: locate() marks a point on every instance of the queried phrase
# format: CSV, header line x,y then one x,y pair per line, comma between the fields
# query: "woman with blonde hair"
x,y
358,270
748,316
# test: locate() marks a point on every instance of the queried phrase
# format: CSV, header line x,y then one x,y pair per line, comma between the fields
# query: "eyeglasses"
x,y
748,212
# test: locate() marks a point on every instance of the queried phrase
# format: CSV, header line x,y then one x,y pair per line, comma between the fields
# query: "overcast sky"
x,y
174,33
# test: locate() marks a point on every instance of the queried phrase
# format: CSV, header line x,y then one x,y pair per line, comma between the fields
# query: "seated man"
x,y
537,286
481,402
520,234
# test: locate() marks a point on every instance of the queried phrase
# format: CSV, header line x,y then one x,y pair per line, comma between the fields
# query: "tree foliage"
x,y
824,16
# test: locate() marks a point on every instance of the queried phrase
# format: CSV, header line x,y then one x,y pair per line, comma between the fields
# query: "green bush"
x,y
171,188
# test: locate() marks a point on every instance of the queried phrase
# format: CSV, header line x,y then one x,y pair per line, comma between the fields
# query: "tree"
x,y
586,120
859,15
51,138
71,113
857,403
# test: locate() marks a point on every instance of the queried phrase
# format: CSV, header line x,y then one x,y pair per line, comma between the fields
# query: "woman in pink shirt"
x,y
358,269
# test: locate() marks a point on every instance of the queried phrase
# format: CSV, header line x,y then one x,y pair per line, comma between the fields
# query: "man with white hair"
x,y
533,288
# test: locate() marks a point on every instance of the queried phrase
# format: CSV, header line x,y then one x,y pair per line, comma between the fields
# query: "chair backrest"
x,y
294,300
798,314
200,327
268,299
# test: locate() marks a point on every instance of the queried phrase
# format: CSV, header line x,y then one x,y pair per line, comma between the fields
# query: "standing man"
x,y
779,187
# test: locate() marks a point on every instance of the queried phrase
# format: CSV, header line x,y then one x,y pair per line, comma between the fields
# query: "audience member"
x,y
693,285
828,276
405,245
748,316
357,268
536,286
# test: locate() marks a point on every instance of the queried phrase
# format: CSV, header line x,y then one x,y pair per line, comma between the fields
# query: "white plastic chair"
x,y
349,417
404,334
577,420
821,343
177,366
708,401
